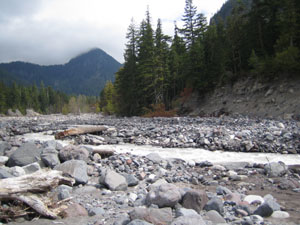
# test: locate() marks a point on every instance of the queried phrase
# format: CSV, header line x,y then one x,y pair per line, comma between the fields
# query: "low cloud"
x,y
54,31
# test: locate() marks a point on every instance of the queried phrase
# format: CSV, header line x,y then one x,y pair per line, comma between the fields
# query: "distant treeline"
x,y
43,100
262,41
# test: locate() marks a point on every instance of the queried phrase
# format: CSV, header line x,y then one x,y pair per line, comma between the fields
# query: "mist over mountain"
x,y
85,74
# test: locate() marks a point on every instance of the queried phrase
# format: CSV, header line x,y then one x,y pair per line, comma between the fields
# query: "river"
x,y
187,154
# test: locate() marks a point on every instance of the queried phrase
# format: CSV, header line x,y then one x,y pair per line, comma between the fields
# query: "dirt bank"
x,y
278,99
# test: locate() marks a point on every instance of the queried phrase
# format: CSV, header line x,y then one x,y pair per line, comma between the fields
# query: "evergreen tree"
x,y
43,98
25,99
108,99
126,77
235,33
264,37
35,104
197,52
189,19
22,98
161,71
193,31
3,90
263,26
287,47
287,22
177,54
73,106
14,98
145,79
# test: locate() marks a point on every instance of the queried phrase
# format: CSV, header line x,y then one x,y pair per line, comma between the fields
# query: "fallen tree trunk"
x,y
35,203
40,181
80,130
22,189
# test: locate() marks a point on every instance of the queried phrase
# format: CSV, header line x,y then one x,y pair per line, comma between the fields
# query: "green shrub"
x,y
287,60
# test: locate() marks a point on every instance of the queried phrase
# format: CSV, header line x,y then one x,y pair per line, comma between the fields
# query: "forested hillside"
x,y
227,8
261,42
85,74
43,100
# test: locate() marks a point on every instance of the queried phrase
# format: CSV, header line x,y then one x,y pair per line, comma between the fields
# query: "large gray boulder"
x,y
17,113
154,157
152,215
185,212
31,113
268,207
139,222
26,154
156,184
49,156
275,169
96,211
70,152
215,204
31,168
53,144
4,146
4,173
76,169
215,217
17,171
271,201
264,210
165,195
195,199
3,160
223,191
74,210
113,180
63,191
189,220
235,165
130,179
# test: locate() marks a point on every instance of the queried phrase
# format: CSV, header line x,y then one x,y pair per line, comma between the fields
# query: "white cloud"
x,y
53,31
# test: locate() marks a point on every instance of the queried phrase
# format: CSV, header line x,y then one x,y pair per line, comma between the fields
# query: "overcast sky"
x,y
53,31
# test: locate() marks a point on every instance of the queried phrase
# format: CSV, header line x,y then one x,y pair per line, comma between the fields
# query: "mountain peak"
x,y
86,73
94,53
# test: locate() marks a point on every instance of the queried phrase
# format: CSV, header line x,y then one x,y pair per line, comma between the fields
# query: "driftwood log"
x,y
80,130
25,189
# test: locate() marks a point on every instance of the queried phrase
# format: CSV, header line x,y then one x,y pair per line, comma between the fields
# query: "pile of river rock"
x,y
225,133
139,190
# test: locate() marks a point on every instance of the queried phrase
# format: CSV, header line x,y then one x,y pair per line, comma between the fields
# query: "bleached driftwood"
x,y
40,181
23,188
34,202
80,130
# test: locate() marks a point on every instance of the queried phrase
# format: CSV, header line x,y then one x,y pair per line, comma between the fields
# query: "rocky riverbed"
x,y
126,188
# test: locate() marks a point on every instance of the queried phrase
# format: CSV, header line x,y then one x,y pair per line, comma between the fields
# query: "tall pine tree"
x,y
177,54
161,71
146,89
127,77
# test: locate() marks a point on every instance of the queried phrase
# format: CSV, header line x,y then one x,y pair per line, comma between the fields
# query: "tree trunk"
x,y
23,188
80,130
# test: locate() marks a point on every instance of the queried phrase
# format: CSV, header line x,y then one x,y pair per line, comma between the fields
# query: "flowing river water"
x,y
187,154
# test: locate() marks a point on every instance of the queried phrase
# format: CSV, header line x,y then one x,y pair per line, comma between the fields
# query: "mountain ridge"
x,y
226,10
85,73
